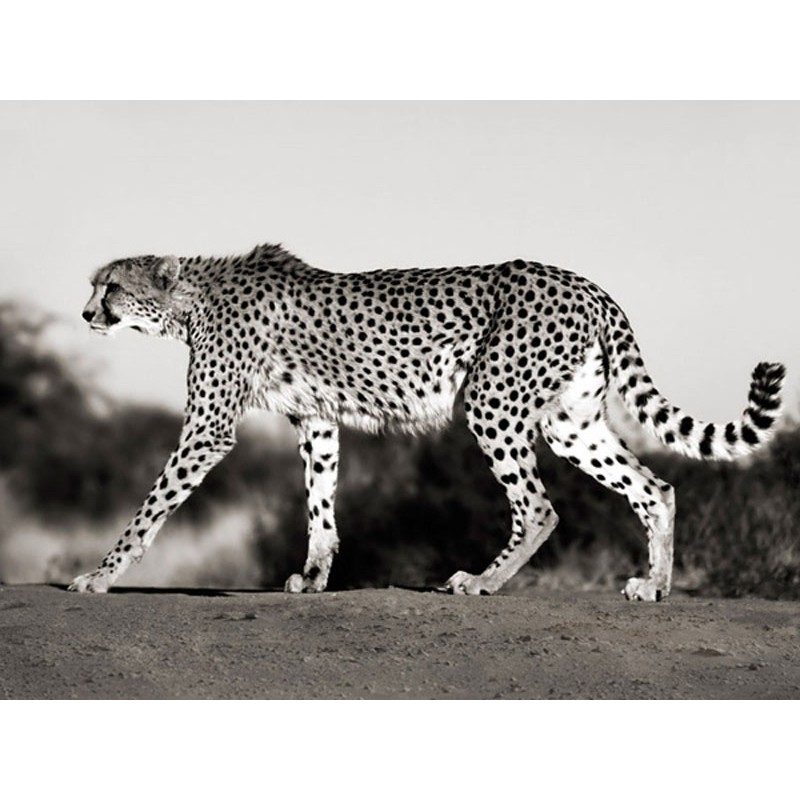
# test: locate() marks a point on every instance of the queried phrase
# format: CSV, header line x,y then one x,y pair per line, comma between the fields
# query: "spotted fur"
x,y
534,348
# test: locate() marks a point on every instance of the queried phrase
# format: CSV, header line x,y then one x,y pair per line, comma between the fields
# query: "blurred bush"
x,y
410,511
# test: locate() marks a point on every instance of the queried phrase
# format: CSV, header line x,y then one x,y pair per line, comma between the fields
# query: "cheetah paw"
x,y
96,582
464,583
297,584
642,589
294,585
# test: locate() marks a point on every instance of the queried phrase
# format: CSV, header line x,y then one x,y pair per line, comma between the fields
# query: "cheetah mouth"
x,y
111,318
105,325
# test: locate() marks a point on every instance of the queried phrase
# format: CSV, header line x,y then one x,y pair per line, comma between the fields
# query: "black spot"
x,y
641,399
707,440
759,420
749,435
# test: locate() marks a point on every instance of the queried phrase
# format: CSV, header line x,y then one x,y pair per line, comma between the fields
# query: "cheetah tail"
x,y
690,436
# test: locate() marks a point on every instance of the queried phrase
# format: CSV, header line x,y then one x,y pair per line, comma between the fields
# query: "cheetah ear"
x,y
167,272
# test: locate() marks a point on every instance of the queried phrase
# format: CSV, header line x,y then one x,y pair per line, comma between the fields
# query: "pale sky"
x,y
686,213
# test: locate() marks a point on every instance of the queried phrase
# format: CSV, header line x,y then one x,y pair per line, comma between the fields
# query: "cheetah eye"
x,y
112,287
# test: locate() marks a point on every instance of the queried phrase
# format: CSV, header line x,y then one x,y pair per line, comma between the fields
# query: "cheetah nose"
x,y
88,315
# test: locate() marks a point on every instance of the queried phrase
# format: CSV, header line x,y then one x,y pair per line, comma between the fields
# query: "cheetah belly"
x,y
416,400
429,408
417,405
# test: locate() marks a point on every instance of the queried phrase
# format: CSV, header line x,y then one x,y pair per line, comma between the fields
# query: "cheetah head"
x,y
140,293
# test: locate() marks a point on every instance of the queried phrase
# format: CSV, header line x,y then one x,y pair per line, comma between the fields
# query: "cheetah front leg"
x,y
319,447
189,463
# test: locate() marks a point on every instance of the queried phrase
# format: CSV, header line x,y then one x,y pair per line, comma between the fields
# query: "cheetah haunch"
x,y
535,349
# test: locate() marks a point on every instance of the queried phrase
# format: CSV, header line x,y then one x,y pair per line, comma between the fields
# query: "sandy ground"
x,y
391,643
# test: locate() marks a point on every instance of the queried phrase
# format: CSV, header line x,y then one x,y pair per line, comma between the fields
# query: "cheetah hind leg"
x,y
593,447
532,517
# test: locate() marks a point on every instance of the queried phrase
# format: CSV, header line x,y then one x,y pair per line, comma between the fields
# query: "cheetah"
x,y
533,350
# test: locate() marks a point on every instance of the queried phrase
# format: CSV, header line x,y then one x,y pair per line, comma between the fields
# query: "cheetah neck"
x,y
186,300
